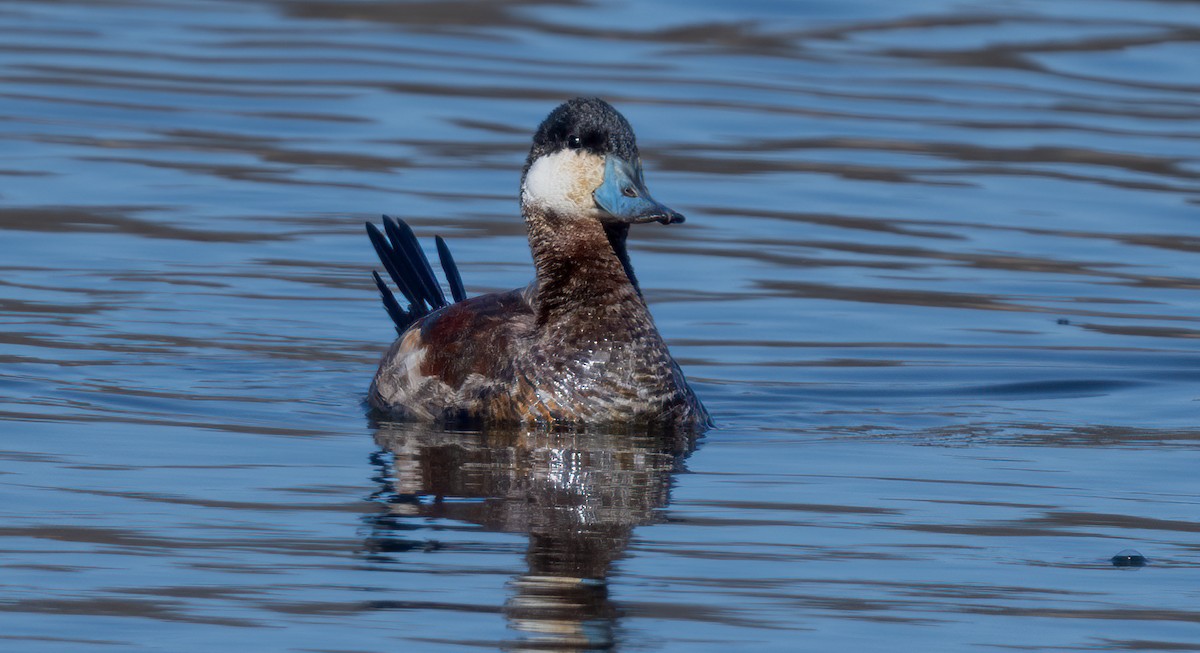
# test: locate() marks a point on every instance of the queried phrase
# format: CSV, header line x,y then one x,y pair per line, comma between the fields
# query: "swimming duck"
x,y
578,345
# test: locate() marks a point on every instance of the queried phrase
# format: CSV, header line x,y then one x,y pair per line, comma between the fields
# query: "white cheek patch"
x,y
563,182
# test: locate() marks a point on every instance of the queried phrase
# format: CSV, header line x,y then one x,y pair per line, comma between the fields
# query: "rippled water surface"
x,y
938,286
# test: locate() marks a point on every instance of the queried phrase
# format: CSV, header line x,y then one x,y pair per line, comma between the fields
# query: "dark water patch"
x,y
117,607
1148,645
305,117
958,300
735,553
1054,388
824,362
110,416
189,592
1167,167
1128,522
114,219
67,640
692,612
93,103
892,296
898,227
822,508
1143,331
333,609
1183,243
983,261
1115,613
741,38
749,166
127,343
129,542
1104,436
267,150
19,307
25,173
782,260
993,530
29,456
319,41
105,536
456,12
357,507
85,79
254,174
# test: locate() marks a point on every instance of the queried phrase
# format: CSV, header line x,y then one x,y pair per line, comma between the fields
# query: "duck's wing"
x,y
409,269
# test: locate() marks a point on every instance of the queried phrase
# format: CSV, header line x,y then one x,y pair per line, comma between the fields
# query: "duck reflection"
x,y
577,495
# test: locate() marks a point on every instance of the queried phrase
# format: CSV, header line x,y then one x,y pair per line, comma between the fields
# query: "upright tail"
x,y
408,268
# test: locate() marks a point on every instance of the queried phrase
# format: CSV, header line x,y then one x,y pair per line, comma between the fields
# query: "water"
x,y
938,287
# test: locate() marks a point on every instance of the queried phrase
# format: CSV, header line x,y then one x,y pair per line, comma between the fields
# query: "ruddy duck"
x,y
578,345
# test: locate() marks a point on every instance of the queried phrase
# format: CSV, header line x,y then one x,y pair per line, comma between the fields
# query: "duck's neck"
x,y
616,234
583,271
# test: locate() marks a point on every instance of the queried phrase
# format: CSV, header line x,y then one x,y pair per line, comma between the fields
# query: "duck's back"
x,y
459,361
487,359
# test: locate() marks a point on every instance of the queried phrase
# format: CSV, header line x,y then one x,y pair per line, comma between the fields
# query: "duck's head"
x,y
584,165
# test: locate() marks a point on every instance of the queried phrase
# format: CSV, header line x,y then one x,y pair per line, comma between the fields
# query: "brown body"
x,y
579,345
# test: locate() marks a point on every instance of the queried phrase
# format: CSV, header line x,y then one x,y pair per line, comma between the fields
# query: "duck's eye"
x,y
574,142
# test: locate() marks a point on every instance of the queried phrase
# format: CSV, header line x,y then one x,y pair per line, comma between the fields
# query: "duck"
x,y
578,345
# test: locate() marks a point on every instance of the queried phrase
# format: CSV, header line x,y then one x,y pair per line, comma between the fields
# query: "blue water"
x,y
937,286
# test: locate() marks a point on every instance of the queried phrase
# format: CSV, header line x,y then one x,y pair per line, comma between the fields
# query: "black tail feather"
x,y
396,266
451,269
409,269
399,315
404,241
